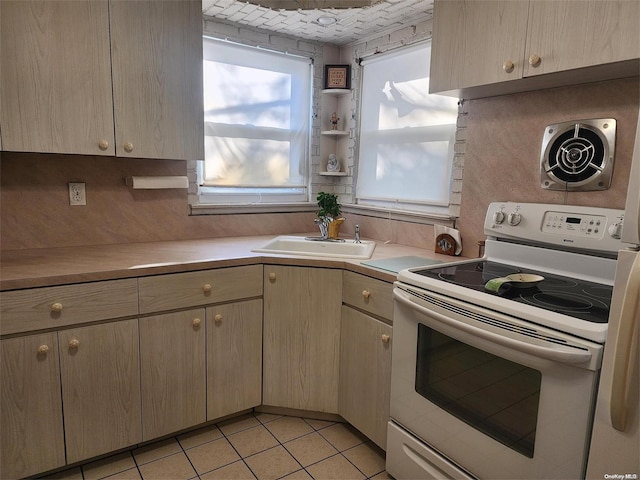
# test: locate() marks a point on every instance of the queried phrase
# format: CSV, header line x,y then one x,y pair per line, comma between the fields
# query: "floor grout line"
x,y
183,450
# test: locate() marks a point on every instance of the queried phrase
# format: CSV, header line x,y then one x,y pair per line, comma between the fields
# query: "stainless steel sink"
x,y
313,247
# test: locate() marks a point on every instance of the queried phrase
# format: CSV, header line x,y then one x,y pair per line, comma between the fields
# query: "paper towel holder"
x,y
157,182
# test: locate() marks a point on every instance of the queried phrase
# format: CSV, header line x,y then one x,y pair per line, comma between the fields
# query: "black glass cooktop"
x,y
576,298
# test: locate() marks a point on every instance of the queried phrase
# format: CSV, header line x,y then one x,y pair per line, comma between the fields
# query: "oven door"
x,y
499,397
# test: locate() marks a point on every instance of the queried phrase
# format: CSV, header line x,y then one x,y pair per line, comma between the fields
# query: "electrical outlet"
x,y
77,194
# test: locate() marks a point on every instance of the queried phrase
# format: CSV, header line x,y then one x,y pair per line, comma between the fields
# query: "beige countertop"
x,y
67,265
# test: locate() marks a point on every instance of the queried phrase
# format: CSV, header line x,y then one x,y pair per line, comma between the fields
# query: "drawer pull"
x,y
508,66
272,276
103,145
56,307
43,349
535,60
218,318
366,293
128,147
206,288
74,343
385,338
196,322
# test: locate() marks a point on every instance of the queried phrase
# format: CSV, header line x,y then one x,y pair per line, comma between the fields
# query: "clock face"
x,y
445,244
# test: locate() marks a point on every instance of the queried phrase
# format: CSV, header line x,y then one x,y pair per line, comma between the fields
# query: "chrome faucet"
x,y
357,236
323,224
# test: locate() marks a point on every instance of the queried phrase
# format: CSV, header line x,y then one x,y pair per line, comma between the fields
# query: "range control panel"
x,y
576,227
574,224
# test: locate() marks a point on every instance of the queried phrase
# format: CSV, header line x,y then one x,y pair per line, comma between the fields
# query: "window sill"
x,y
400,215
213,209
376,212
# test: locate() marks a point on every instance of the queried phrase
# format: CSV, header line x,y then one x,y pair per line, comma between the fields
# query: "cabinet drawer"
x,y
180,290
368,294
50,307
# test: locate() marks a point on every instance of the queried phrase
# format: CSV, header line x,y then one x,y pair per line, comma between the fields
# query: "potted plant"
x,y
329,213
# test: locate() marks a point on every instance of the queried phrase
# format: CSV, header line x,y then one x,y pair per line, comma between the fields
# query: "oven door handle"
x,y
556,353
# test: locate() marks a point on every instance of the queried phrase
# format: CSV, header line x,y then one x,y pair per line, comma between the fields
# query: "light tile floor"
x,y
253,446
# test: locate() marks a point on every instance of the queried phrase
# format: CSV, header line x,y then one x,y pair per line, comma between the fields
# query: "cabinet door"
x,y
100,388
472,41
55,72
234,358
365,374
32,439
301,337
570,34
172,363
157,78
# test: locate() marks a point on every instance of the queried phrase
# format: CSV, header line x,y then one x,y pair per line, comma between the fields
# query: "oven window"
x,y
495,396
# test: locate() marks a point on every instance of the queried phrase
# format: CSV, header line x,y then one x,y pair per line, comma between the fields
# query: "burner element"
x,y
578,156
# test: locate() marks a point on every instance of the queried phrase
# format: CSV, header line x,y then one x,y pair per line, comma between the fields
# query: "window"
x,y
406,135
257,125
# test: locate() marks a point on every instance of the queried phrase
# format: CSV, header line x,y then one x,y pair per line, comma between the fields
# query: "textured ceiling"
x,y
352,25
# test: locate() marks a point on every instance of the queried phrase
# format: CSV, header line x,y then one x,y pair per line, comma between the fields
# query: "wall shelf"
x,y
335,133
336,91
333,174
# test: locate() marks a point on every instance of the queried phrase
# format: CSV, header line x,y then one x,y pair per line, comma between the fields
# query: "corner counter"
x,y
20,269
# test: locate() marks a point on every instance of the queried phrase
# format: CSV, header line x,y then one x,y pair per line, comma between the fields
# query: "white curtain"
x,y
406,135
257,114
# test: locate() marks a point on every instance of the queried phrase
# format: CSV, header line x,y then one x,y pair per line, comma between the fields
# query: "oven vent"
x,y
578,156
529,332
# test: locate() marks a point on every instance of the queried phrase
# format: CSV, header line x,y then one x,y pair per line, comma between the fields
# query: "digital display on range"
x,y
575,220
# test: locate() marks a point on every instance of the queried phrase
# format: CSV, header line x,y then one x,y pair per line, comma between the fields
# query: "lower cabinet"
x,y
99,366
365,373
234,357
172,368
301,337
31,434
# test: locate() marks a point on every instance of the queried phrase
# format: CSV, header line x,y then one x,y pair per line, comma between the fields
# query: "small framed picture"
x,y
337,76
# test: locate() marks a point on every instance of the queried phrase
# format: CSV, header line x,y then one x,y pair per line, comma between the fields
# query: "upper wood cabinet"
x,y
156,50
55,72
484,48
473,39
73,72
573,34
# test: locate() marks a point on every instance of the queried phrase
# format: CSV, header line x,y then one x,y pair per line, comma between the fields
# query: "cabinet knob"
x,y
74,343
218,318
508,66
128,147
56,307
43,349
385,338
103,145
196,322
206,288
366,293
272,276
535,60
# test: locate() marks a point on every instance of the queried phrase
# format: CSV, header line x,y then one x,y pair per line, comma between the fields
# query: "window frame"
x,y
415,207
208,196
